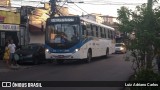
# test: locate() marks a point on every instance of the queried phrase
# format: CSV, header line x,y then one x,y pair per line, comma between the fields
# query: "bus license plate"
x,y
60,56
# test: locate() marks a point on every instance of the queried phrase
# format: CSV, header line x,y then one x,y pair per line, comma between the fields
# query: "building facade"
x,y
9,25
94,17
108,20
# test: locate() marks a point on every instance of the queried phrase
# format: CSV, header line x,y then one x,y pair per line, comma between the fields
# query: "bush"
x,y
145,76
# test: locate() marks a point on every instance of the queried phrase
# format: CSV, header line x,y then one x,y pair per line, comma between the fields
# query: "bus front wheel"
x,y
89,56
107,53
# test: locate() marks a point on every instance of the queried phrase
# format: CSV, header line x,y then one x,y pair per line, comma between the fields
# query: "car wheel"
x,y
35,61
20,62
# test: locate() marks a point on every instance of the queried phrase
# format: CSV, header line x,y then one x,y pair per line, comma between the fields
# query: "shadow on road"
x,y
80,62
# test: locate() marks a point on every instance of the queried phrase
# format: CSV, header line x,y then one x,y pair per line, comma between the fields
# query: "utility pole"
x,y
149,5
149,21
53,7
149,14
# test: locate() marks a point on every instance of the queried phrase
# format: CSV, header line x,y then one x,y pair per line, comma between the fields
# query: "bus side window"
x,y
113,34
107,35
99,34
109,32
96,31
83,30
104,33
88,29
92,32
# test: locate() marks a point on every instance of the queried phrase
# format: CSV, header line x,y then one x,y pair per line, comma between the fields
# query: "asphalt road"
x,y
115,68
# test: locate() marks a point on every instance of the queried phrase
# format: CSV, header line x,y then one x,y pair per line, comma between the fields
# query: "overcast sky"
x,y
105,7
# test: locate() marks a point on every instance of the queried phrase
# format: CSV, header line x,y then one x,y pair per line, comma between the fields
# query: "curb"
x,y
18,67
13,68
5,68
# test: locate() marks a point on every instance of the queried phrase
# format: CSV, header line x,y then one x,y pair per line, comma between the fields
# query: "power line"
x,y
80,8
115,3
61,8
39,3
110,3
84,10
73,8
119,3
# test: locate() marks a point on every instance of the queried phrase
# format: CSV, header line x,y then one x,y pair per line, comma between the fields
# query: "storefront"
x,y
9,27
9,32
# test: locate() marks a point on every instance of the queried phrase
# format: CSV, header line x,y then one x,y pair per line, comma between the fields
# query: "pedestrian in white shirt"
x,y
12,48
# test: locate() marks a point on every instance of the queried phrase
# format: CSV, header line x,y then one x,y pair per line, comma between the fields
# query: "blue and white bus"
x,y
76,38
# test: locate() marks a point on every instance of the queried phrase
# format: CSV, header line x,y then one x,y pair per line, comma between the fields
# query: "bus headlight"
x,y
76,50
47,50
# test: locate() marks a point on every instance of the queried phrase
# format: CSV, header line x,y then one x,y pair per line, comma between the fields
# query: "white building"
x,y
108,20
94,17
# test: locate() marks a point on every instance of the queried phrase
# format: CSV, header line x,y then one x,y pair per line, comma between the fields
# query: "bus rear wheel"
x,y
107,53
89,56
60,61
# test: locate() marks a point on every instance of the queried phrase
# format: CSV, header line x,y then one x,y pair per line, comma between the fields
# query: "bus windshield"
x,y
62,36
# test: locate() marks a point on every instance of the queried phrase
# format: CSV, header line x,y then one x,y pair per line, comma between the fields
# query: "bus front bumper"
x,y
63,55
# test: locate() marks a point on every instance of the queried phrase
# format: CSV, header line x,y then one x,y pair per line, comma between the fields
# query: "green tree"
x,y
145,23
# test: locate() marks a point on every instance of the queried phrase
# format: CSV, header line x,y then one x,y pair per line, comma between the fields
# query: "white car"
x,y
120,48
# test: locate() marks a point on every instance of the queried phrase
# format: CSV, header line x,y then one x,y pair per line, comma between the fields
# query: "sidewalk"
x,y
4,68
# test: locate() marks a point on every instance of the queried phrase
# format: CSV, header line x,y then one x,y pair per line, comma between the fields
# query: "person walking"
x,y
6,56
12,48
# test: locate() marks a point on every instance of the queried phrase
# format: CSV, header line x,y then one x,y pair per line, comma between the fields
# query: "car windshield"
x,y
29,47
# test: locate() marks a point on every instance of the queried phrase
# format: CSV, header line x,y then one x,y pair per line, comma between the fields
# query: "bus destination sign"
x,y
62,20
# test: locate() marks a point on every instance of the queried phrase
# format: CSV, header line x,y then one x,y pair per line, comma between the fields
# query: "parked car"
x,y
34,53
120,48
